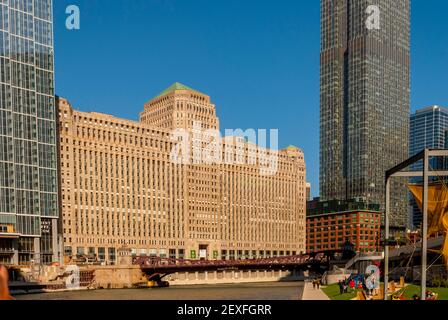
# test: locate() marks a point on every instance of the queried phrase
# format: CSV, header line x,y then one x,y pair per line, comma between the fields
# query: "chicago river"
x,y
249,291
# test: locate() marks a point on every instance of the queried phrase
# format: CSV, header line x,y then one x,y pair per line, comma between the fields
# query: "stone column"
x,y
15,257
57,242
37,251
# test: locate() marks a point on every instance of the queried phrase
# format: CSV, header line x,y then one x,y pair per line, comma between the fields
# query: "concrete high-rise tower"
x,y
28,149
365,89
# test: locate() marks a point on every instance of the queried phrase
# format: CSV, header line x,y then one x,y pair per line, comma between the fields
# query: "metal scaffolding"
x,y
400,171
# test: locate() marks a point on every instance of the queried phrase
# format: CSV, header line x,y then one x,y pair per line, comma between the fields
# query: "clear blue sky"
x,y
258,60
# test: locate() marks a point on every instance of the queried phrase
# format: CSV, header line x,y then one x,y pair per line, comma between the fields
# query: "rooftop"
x,y
292,148
175,87
432,109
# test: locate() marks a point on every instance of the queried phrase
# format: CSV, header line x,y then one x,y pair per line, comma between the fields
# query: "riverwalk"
x,y
309,293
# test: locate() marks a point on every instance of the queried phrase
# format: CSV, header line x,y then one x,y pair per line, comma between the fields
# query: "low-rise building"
x,y
331,224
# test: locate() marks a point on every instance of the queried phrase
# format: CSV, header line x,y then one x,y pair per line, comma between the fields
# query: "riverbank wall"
x,y
69,278
232,277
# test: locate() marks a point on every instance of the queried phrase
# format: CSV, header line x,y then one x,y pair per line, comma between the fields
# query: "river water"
x,y
247,291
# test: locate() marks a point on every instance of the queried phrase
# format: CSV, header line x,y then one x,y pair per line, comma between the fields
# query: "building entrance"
x,y
203,252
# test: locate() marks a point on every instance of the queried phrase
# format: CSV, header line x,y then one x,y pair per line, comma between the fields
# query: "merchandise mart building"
x,y
119,186
28,151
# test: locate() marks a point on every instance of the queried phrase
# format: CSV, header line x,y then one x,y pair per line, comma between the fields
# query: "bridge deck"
x,y
156,264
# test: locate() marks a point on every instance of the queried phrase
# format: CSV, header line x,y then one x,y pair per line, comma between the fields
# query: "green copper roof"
x,y
292,148
176,86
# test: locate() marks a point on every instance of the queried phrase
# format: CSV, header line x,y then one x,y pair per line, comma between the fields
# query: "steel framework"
x,y
169,265
400,171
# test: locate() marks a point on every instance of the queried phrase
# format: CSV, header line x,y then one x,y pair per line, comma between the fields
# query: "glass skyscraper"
x,y
429,128
28,147
365,89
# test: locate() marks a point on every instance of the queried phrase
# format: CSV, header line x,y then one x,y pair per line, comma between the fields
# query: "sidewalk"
x,y
313,294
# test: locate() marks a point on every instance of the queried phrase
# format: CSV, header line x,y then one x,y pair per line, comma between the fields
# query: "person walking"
x,y
360,286
341,287
4,290
352,285
314,284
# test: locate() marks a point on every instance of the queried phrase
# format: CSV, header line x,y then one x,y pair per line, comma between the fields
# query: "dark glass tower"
x,y
365,91
28,151
429,127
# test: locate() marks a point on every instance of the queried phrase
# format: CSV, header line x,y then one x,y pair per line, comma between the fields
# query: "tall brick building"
x,y
119,185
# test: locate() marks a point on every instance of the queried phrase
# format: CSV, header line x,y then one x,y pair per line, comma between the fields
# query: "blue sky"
x,y
258,60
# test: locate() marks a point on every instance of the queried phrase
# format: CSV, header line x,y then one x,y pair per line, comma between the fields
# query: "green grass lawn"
x,y
411,290
332,291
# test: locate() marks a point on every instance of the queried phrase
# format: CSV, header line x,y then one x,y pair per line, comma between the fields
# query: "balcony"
x,y
6,250
6,235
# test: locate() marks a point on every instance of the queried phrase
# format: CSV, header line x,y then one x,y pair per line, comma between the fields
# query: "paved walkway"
x,y
313,294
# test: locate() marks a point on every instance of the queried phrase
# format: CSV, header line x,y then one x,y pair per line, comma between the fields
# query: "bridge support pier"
x,y
233,276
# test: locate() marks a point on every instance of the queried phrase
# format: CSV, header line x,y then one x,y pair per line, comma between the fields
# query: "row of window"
x,y
26,76
28,202
26,102
100,253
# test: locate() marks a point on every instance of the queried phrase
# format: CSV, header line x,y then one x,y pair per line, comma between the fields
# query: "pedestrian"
x,y
352,284
314,284
4,290
341,287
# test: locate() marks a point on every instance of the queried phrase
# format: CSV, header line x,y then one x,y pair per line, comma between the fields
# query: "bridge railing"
x,y
158,262
364,256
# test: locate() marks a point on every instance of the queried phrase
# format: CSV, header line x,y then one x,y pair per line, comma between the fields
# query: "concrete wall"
x,y
232,276
118,277
113,277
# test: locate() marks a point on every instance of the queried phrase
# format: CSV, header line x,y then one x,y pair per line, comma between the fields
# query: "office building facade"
x,y
364,108
332,224
429,128
120,186
331,231
28,151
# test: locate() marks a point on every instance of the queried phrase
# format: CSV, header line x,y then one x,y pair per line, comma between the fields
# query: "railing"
x,y
364,256
156,262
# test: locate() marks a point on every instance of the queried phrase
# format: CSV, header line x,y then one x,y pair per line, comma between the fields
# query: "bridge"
x,y
157,268
364,257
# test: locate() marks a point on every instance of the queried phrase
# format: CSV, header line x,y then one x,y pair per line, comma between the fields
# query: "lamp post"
x,y
386,240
